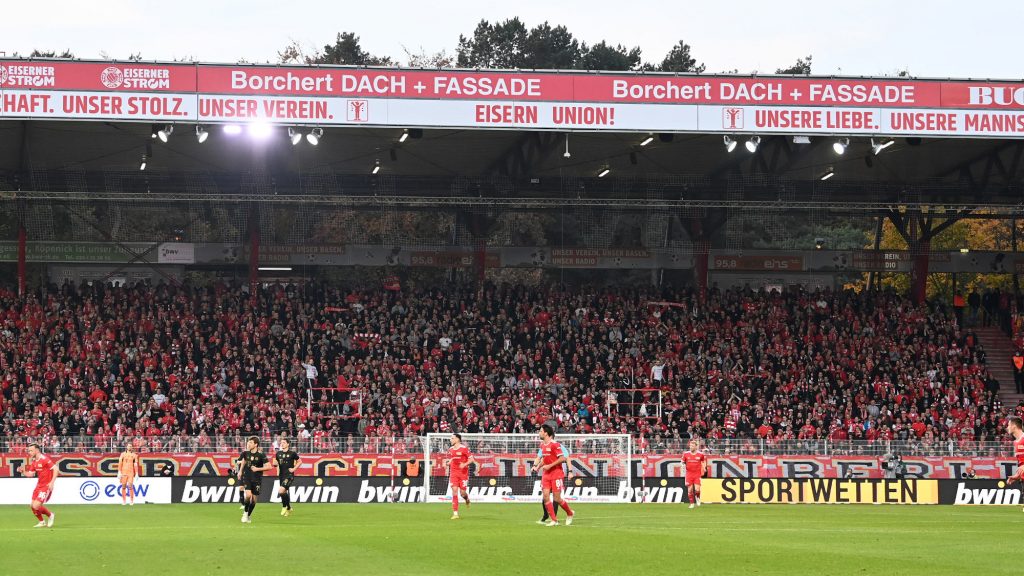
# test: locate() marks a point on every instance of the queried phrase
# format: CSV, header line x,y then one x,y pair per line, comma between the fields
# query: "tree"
x,y
50,54
548,48
346,50
974,234
679,59
602,56
802,67
498,45
422,59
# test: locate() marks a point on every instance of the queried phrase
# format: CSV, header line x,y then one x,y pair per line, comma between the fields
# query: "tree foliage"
x,y
424,59
551,48
679,59
510,45
346,50
801,67
499,45
603,56
972,234
49,54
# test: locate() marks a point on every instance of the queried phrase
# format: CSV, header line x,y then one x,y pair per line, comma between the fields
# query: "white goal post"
x,y
599,466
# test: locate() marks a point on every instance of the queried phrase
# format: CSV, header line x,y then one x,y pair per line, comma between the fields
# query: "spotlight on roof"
x,y
202,134
878,146
232,129
841,145
164,133
828,174
404,136
753,143
314,136
647,141
295,136
146,156
260,130
730,144
376,167
604,172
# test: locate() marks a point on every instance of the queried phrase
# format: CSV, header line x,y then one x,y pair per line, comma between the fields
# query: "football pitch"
x,y
503,539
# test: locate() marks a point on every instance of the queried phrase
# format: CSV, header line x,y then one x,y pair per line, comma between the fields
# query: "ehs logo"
x,y
358,110
732,118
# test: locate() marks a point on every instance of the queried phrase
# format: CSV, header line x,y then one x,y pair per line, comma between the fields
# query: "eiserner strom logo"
x,y
135,78
27,76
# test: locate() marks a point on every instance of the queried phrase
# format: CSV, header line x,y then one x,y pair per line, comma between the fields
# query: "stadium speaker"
x,y
666,137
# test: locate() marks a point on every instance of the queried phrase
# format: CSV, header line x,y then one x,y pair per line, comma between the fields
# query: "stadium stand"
x,y
159,361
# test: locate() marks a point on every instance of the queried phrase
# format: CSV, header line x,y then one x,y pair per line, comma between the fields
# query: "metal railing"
x,y
868,448
414,444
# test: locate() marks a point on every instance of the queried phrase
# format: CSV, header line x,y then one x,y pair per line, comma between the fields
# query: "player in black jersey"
x,y
287,462
251,465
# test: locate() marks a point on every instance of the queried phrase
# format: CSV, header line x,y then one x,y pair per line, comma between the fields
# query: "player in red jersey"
x,y
42,467
696,466
1014,428
553,477
459,459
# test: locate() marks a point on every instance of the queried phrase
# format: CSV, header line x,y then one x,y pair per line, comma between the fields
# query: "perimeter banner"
x,y
980,493
644,467
818,491
335,96
88,490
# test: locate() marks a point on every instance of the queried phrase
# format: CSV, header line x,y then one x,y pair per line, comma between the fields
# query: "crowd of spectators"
x,y
162,361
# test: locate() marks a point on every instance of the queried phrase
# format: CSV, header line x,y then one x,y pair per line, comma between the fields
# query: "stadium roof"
x,y
968,168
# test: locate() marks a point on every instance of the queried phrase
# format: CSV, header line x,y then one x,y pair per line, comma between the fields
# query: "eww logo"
x,y
89,491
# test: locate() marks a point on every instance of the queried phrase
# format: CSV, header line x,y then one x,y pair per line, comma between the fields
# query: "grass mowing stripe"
x,y
503,539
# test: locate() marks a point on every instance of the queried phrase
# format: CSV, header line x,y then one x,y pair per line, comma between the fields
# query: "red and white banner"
x,y
647,465
326,96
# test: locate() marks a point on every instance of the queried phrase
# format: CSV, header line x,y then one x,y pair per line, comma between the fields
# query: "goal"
x,y
599,467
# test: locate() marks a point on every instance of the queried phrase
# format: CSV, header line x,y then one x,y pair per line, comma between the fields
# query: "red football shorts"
x,y
692,480
552,484
42,494
458,483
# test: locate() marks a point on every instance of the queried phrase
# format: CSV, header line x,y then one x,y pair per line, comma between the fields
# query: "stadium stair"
x,y
999,359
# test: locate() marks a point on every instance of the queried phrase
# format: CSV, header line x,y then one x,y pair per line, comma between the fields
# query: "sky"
x,y
937,38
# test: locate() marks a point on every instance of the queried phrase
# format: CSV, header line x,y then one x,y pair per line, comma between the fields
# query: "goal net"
x,y
598,467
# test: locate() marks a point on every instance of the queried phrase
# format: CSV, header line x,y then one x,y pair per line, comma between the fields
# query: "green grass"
x,y
626,539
